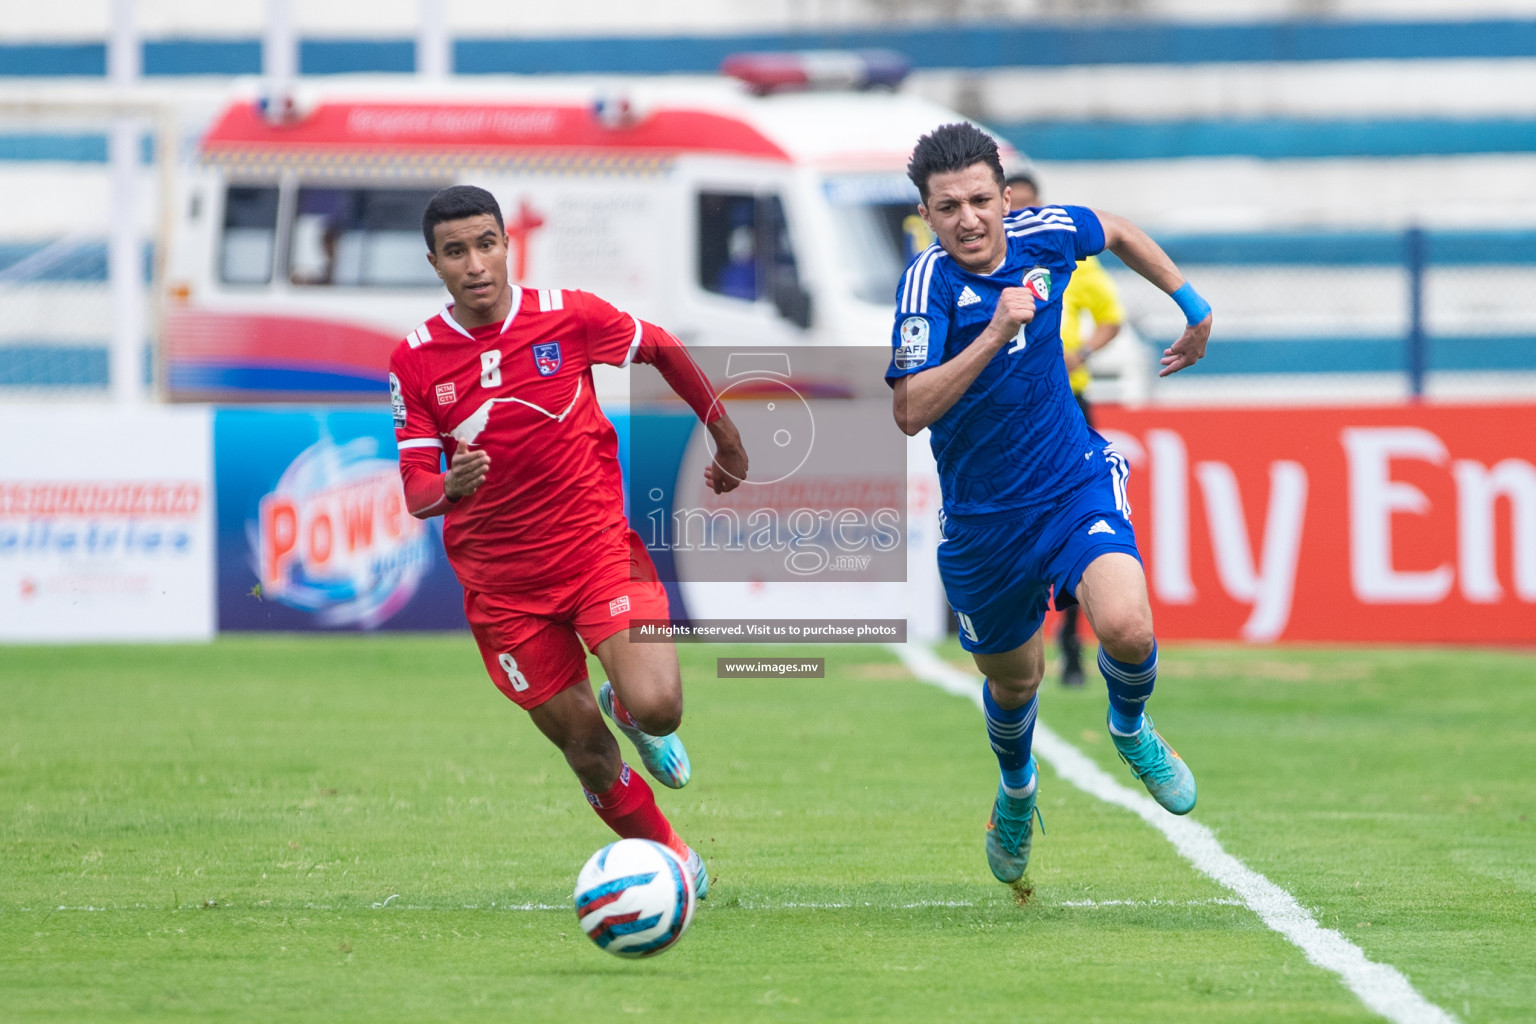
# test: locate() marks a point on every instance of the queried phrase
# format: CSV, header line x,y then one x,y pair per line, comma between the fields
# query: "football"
x,y
634,898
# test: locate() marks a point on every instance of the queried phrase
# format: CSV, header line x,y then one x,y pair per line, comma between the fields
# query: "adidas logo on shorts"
x,y
1100,527
967,297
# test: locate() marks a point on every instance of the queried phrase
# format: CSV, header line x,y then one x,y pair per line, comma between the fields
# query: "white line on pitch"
x,y
1381,987
744,904
1094,904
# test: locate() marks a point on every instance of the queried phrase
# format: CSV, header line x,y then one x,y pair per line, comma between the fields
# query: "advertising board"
x,y
1402,524
313,530
106,524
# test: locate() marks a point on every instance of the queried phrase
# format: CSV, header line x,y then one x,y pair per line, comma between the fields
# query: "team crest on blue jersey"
x,y
547,358
914,343
1038,283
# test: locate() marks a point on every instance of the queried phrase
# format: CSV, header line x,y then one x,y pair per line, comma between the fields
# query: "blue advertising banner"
x,y
651,449
313,533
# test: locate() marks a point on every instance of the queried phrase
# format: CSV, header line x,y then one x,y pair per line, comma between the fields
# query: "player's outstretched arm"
x,y
921,398
729,467
683,375
1138,251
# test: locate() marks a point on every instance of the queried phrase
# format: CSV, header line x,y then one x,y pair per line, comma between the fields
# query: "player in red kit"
x,y
501,383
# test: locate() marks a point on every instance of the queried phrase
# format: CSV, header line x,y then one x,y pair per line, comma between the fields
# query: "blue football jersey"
x,y
1016,439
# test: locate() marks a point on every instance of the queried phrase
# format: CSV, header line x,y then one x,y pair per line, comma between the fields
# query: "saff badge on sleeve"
x,y
914,343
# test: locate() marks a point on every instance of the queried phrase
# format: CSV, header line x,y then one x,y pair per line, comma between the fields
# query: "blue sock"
x,y
1011,733
1129,687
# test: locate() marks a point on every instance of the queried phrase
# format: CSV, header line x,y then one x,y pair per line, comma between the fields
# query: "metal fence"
x,y
55,317
1350,316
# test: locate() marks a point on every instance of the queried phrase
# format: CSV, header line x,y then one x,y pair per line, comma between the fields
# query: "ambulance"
x,y
766,206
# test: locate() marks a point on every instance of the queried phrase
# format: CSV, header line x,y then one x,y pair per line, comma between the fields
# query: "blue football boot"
x,y
1010,832
1158,766
663,756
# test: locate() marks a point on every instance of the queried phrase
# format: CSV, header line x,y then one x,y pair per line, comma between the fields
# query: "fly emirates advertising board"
x,y
106,524
1406,524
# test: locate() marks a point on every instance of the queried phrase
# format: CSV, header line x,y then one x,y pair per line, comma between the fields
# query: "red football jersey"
x,y
522,391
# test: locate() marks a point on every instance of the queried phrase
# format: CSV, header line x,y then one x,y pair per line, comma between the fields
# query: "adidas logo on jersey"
x,y
967,297
1100,527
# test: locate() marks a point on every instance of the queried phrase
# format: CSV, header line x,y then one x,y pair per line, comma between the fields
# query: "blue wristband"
x,y
1195,308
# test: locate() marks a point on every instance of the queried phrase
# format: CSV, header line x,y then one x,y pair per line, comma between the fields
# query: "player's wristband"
x,y
1195,308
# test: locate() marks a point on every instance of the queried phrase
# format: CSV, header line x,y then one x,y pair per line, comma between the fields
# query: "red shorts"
x,y
529,640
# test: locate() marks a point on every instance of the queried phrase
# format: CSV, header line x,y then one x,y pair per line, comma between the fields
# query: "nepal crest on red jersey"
x,y
547,358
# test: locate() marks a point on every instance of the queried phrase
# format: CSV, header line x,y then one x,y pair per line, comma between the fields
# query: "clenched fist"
x,y
1015,308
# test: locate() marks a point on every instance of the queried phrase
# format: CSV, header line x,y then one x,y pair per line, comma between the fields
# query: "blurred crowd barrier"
x,y
56,317
1327,317
1351,316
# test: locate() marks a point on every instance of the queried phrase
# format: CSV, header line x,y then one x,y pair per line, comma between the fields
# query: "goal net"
x,y
58,313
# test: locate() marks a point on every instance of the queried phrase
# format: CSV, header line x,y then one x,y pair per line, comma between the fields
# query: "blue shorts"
x,y
999,570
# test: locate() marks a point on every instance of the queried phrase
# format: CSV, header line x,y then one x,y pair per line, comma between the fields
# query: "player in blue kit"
x,y
1034,499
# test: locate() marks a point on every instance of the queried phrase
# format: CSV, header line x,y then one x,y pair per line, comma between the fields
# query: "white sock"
x,y
1025,790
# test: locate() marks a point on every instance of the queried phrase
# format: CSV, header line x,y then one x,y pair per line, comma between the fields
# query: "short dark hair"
x,y
457,202
952,147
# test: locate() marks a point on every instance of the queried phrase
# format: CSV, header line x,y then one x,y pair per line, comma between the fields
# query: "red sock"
x,y
629,808
622,713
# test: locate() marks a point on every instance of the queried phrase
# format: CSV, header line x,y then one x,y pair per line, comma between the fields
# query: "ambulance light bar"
x,y
769,72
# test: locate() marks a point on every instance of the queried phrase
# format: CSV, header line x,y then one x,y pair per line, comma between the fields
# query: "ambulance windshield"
x,y
875,217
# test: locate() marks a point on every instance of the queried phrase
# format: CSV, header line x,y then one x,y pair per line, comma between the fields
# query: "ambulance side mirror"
x,y
792,301
777,276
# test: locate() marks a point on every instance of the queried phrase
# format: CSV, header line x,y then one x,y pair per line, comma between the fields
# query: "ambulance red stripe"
x,y
408,127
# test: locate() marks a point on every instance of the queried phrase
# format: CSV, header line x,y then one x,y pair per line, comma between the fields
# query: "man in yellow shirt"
x,y
1089,291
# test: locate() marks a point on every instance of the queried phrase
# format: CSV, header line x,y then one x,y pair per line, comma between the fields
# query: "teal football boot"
x,y
1158,766
663,756
1010,832
695,866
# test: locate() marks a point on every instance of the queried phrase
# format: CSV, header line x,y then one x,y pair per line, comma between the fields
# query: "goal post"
x,y
83,242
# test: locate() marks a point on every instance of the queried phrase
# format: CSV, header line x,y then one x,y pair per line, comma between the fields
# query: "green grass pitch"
x,y
363,829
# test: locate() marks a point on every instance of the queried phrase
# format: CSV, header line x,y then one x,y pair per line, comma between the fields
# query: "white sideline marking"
x,y
1217,901
1381,987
